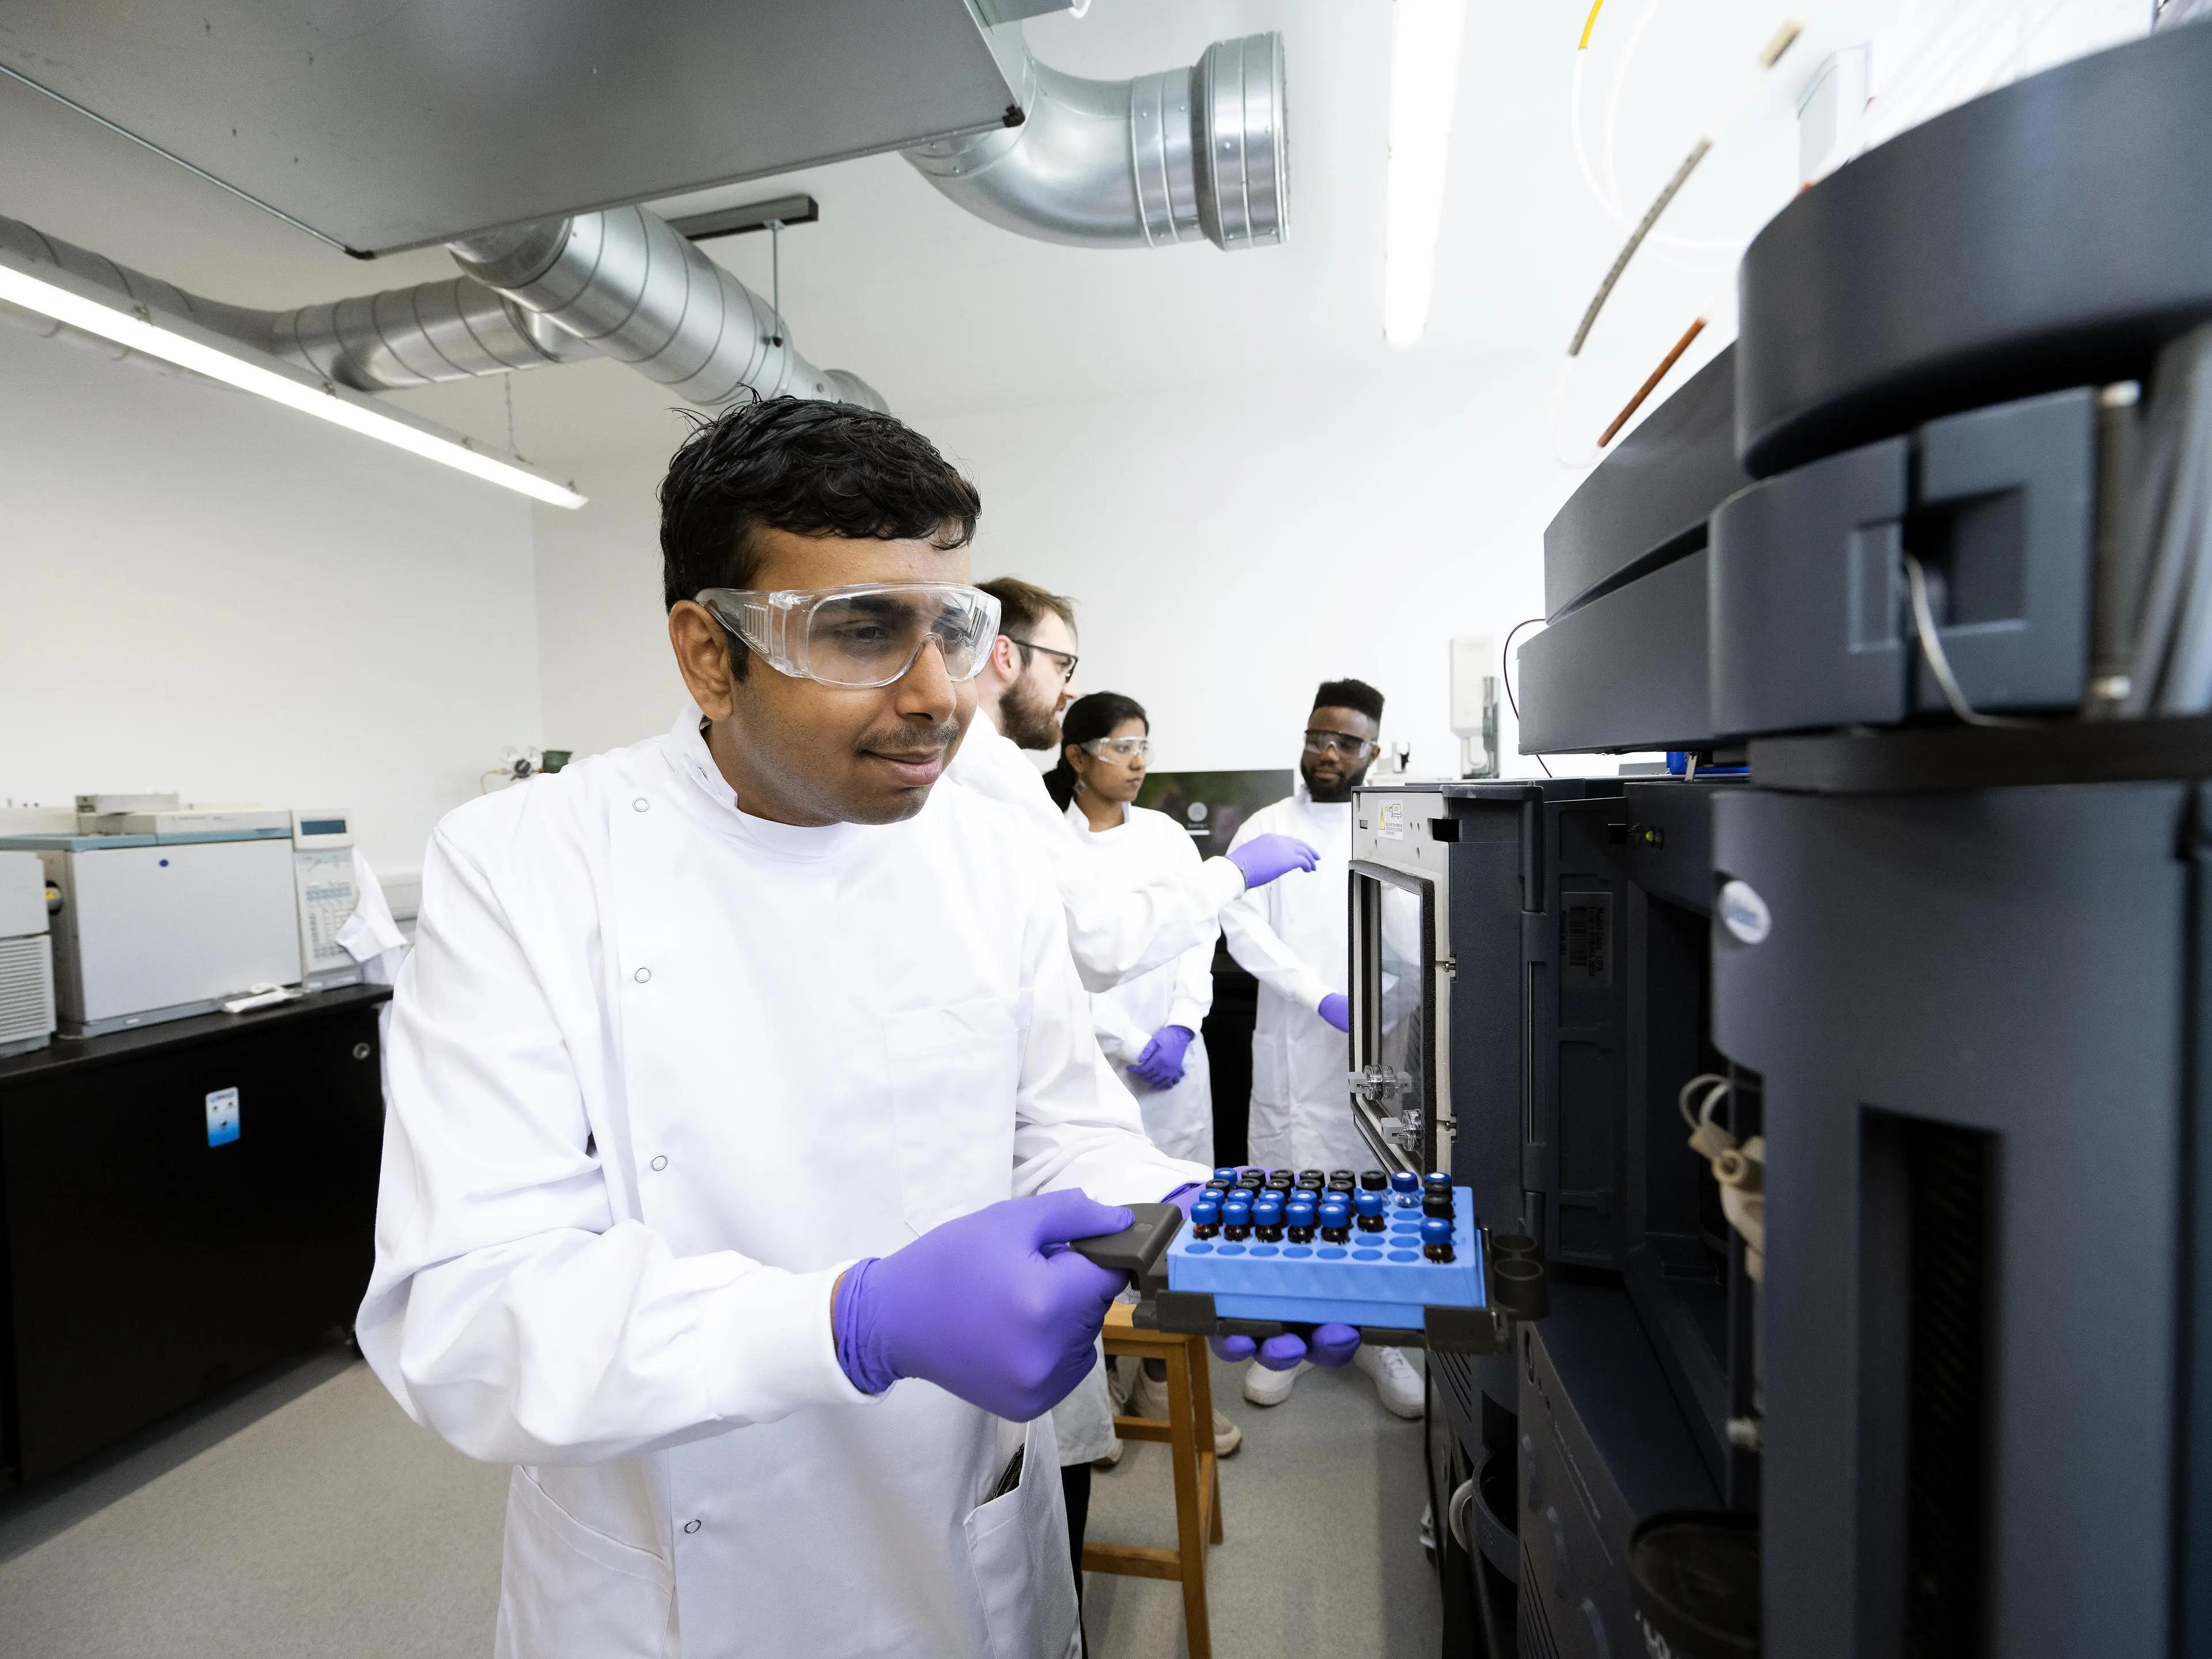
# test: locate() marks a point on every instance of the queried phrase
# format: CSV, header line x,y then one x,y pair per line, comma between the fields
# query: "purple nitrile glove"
x,y
977,1307
1325,1345
1336,1009
1160,1067
1265,857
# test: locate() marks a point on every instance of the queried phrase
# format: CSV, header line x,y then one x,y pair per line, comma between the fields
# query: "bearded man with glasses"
x,y
1293,939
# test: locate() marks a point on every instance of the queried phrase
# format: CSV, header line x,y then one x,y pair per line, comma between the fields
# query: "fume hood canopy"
x,y
386,125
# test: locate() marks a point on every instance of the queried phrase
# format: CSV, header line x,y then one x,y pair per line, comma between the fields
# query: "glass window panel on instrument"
x,y
1392,1085
1402,1044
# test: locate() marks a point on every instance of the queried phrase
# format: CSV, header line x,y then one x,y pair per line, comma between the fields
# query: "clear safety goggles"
x,y
1119,748
1337,743
863,633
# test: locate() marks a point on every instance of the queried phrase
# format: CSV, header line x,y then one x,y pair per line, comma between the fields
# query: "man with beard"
x,y
1117,928
1292,939
1114,930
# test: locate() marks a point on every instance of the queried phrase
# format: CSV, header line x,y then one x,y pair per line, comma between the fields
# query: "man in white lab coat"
x,y
1118,926
720,1078
1121,923
1293,939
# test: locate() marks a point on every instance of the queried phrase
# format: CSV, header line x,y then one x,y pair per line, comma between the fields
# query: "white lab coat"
x,y
659,1073
1148,846
1116,929
1293,936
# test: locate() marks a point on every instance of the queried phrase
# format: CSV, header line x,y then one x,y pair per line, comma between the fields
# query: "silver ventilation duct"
x,y
1167,157
620,283
454,329
626,284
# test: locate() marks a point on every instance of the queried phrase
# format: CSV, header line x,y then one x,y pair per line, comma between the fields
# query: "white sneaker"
x,y
1146,1397
1150,1399
1113,1457
1265,1387
1119,1381
1397,1384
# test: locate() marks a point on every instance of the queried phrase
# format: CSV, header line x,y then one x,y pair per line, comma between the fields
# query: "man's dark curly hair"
x,y
812,468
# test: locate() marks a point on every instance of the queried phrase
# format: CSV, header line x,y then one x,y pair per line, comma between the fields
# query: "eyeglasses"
x,y
1339,742
1119,748
1068,659
862,634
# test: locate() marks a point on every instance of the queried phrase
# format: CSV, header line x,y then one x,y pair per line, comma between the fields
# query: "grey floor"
x,y
303,1515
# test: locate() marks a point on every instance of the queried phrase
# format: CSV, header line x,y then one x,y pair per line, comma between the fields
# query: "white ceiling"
x,y
944,314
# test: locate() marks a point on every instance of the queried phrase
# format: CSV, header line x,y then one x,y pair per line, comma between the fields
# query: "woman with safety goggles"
x,y
1148,1025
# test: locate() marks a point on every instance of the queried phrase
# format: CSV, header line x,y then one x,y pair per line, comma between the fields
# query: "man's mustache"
x,y
905,743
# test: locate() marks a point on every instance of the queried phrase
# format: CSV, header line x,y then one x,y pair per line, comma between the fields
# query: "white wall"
x,y
609,676
1230,549
202,591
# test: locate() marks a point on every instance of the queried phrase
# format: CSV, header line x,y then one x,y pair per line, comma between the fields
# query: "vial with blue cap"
x,y
1437,1238
1370,1207
1300,1214
1267,1218
1206,1217
1406,1188
1236,1216
1335,1219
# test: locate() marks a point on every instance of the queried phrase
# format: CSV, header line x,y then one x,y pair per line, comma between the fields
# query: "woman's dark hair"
x,y
813,469
1093,716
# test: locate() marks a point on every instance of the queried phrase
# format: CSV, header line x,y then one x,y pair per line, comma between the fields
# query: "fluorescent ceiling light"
x,y
67,299
1425,53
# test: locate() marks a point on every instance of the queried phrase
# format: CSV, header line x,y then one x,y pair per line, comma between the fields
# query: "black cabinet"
x,y
150,1259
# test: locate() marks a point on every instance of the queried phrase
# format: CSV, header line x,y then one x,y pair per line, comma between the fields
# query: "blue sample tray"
x,y
1377,1278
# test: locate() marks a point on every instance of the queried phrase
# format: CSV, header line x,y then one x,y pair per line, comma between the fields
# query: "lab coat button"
x,y
691,1526
640,804
660,1162
642,975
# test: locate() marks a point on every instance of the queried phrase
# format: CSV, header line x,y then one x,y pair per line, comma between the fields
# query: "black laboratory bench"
x,y
148,1255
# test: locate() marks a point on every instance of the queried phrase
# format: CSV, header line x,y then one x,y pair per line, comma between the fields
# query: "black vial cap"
x,y
1282,1180
1437,1203
1374,1181
1253,1178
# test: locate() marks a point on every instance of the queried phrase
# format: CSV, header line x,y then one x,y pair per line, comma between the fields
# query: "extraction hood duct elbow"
x,y
1168,157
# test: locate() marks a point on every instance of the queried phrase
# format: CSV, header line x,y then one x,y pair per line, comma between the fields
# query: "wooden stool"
x,y
1188,1430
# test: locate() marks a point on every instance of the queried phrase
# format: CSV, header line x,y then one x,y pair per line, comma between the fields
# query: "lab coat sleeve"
x,y
1260,950
510,1308
1120,1037
1075,1124
1193,995
1193,992
1116,930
